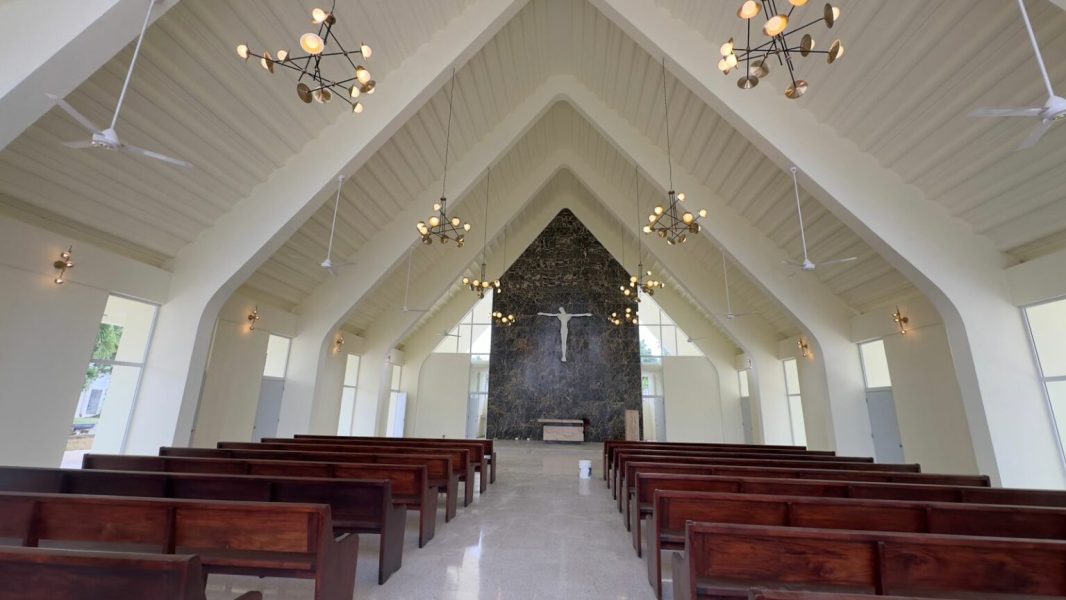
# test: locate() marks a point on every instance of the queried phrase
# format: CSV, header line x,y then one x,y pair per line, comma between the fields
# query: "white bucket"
x,y
584,469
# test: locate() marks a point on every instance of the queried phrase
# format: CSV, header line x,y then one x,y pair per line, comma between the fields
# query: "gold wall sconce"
x,y
253,318
338,344
64,264
901,321
805,348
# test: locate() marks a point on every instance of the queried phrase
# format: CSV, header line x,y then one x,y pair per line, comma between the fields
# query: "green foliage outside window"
x,y
106,348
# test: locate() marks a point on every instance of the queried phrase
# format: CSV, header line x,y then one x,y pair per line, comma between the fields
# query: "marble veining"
x,y
565,267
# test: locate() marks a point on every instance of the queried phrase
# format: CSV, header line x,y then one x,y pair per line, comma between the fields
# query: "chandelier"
x,y
312,85
756,59
628,317
440,225
503,320
638,283
672,223
480,286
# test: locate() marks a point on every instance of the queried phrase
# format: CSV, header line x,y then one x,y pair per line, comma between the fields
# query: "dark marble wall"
x,y
564,267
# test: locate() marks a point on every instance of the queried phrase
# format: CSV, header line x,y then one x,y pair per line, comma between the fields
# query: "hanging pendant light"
x,y
440,225
482,285
642,281
498,317
672,222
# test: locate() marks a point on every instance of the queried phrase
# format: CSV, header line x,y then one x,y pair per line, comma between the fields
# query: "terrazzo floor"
x,y
538,533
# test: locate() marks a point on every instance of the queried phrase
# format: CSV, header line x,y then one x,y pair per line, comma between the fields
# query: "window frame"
x,y
862,363
1044,379
788,400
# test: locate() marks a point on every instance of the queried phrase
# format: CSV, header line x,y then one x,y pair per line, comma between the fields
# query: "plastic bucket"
x,y
584,469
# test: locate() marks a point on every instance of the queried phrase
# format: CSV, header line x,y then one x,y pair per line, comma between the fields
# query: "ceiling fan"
x,y
806,264
407,288
108,138
1052,110
329,264
729,314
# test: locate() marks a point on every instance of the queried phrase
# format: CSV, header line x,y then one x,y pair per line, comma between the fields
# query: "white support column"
x,y
960,272
209,270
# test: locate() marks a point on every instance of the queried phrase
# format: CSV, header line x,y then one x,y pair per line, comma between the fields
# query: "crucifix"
x,y
564,328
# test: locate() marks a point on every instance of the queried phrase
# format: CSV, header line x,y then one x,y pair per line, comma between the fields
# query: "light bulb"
x,y
283,55
723,66
731,60
727,48
456,222
775,25
434,221
366,51
797,2
703,212
311,43
318,15
242,51
836,13
59,280
357,108
749,9
354,91
466,227
647,229
688,218
681,197
658,210
369,87
362,74
437,206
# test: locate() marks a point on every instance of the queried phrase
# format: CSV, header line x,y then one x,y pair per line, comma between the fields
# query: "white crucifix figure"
x,y
564,327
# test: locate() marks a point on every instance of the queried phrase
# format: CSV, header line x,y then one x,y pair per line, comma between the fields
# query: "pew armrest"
x,y
679,568
336,576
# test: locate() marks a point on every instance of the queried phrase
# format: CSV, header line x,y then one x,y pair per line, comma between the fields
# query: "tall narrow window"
x,y
397,404
112,379
795,403
351,381
742,375
1047,326
875,365
277,360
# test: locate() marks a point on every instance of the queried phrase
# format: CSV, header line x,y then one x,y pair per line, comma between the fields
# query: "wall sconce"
x,y
805,348
64,264
338,345
901,321
253,317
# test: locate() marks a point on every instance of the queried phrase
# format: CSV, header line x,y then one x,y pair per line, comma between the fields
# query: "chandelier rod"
x,y
485,234
799,212
636,197
666,110
448,136
407,288
133,61
336,207
1036,47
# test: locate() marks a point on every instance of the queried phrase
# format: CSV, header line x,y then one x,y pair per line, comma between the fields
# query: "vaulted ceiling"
x,y
912,71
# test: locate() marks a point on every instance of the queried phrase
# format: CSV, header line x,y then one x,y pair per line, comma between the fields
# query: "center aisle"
x,y
539,533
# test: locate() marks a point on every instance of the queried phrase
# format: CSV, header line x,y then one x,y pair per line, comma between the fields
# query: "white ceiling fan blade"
x,y
1007,112
78,145
793,263
837,261
177,162
70,110
415,310
1037,133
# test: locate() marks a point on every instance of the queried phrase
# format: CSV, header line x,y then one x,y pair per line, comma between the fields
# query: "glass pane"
x,y
649,341
685,347
482,312
1048,325
103,411
875,364
128,324
743,375
464,339
449,343
1057,392
650,313
277,356
792,381
397,373
669,340
479,360
482,339
351,371
795,413
344,423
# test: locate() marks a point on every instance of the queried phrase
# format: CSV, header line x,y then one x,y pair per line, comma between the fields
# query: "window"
x,y
795,403
1047,326
397,404
743,375
473,333
660,336
875,364
112,379
351,380
277,360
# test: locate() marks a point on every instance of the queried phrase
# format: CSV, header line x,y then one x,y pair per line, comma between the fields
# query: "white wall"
x,y
692,400
231,387
443,390
47,332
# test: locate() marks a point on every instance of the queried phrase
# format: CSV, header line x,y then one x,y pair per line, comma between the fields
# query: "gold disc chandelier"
x,y
626,317
638,283
756,59
311,84
440,225
481,285
503,320
672,223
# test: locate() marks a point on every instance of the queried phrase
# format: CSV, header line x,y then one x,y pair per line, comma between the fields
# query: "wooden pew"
x,y
648,483
51,574
610,446
242,538
764,594
460,458
672,509
635,468
488,450
438,468
357,506
723,561
622,457
410,483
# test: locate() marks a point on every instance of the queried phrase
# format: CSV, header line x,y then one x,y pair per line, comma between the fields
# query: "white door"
x,y
888,448
269,411
397,414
